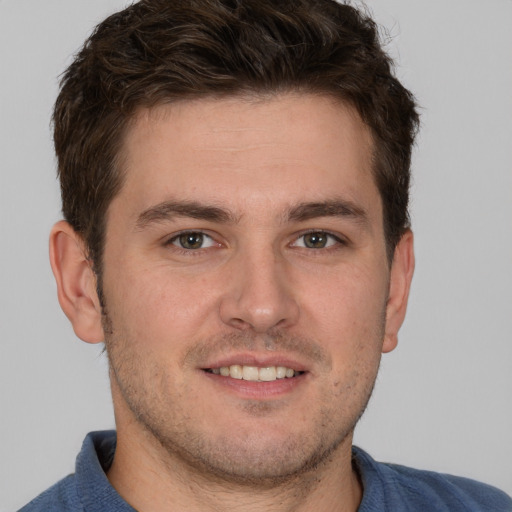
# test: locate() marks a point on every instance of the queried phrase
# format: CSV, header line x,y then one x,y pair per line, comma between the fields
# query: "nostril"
x,y
238,323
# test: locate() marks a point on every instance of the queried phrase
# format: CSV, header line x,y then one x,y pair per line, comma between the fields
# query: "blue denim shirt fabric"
x,y
88,489
387,487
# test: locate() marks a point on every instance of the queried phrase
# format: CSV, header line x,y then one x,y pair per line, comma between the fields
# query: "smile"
x,y
255,373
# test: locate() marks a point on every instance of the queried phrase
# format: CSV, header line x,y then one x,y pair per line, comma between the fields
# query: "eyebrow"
x,y
330,208
168,210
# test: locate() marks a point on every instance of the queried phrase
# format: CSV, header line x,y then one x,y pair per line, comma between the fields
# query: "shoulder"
x,y
59,498
88,488
448,492
394,487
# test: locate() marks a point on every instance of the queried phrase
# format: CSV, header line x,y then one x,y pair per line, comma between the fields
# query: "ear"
x,y
402,269
76,282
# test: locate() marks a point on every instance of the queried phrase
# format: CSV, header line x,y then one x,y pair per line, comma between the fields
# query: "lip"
x,y
257,390
260,360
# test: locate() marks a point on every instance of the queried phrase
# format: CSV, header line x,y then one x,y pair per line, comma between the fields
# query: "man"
x,y
235,186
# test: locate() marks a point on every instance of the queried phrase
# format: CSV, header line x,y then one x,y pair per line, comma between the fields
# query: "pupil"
x,y
315,240
191,240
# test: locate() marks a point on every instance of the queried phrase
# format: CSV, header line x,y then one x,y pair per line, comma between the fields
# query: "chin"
x,y
253,458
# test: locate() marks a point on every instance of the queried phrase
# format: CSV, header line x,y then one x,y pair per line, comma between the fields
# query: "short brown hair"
x,y
158,51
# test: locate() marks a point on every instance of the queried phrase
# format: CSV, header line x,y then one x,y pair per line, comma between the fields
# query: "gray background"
x,y
443,398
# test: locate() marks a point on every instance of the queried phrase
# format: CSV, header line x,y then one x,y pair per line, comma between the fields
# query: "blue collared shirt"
x,y
387,487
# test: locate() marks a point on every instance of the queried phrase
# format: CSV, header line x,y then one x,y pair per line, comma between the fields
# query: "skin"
x,y
260,174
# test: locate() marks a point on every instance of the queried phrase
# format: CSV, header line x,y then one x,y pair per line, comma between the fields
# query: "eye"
x,y
192,240
317,240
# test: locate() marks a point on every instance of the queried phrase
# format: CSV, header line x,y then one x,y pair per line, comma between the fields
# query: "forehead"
x,y
284,148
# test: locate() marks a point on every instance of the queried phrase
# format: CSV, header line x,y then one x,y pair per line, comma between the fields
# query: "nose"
x,y
260,294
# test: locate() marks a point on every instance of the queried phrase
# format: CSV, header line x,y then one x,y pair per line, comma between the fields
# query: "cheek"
x,y
350,325
157,306
348,304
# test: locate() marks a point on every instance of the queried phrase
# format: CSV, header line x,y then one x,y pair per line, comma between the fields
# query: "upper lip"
x,y
259,360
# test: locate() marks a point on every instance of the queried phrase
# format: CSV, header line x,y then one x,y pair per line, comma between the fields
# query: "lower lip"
x,y
258,390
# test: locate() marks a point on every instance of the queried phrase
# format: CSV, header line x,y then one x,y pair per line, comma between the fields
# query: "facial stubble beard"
x,y
224,463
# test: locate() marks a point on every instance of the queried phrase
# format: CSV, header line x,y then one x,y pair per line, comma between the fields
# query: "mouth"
x,y
255,373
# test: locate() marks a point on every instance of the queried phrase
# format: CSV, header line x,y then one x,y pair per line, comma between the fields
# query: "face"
x,y
246,282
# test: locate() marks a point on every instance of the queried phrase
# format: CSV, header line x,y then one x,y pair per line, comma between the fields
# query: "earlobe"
x,y
402,270
76,282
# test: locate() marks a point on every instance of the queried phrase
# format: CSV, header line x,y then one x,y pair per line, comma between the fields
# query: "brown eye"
x,y
192,240
316,240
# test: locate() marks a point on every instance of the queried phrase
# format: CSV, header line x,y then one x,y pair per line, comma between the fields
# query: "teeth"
x,y
235,371
267,374
255,373
280,372
250,373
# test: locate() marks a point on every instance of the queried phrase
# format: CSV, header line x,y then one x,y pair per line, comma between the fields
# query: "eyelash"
x,y
189,252
338,241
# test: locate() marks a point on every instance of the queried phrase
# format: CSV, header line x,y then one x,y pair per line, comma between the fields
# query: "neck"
x,y
150,479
